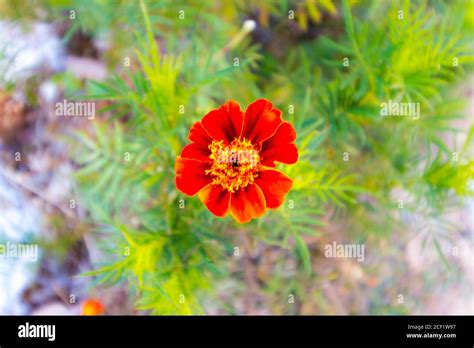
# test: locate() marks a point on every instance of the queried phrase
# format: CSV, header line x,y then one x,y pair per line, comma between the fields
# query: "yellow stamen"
x,y
234,166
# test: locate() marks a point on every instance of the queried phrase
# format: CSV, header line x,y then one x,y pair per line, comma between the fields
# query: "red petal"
x,y
280,147
197,134
224,123
274,185
197,152
284,134
190,176
247,203
261,120
287,153
216,199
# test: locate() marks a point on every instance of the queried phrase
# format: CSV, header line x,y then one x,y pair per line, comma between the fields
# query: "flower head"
x,y
92,306
230,162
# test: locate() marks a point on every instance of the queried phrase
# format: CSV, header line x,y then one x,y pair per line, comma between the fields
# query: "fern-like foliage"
x,y
168,247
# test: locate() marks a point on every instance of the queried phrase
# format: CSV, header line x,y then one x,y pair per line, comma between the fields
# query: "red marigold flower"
x,y
230,161
92,307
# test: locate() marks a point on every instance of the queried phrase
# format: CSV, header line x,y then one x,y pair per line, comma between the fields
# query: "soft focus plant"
x,y
168,248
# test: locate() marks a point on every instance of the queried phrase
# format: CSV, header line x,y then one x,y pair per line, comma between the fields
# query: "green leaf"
x,y
441,254
303,252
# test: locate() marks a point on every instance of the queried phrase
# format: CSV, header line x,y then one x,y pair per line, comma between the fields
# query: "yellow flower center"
x,y
234,166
